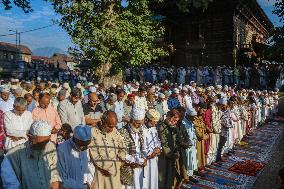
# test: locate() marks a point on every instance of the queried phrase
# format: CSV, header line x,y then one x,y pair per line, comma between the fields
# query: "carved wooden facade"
x,y
221,35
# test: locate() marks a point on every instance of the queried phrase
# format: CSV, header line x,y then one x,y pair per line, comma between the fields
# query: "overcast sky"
x,y
54,36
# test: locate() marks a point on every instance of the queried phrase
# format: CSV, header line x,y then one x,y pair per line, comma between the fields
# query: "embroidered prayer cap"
x,y
40,128
38,78
161,95
82,132
93,89
78,85
90,84
5,89
66,85
137,113
219,86
153,115
185,89
223,101
176,91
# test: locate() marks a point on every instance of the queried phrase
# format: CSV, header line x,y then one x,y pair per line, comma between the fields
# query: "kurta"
x,y
71,114
118,109
169,173
16,126
50,115
192,161
105,149
134,143
40,165
201,135
214,138
151,141
74,167
207,118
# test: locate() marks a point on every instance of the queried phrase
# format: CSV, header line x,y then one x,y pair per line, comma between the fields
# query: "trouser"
x,y
103,182
222,142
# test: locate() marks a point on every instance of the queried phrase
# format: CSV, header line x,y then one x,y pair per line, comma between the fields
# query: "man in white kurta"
x,y
17,123
192,160
74,168
152,149
135,161
6,100
119,109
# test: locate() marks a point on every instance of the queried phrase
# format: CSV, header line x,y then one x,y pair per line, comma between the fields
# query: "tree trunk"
x,y
103,73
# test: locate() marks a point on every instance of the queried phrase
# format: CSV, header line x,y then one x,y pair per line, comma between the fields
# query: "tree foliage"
x,y
108,32
276,51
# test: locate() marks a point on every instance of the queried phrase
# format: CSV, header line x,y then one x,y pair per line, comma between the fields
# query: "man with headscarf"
x,y
74,168
169,173
47,113
34,162
107,151
6,101
152,149
70,110
16,123
132,169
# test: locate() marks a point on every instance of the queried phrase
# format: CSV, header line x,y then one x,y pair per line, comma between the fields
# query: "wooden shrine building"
x,y
227,32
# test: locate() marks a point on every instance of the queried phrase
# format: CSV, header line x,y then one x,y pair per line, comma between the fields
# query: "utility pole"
x,y
18,43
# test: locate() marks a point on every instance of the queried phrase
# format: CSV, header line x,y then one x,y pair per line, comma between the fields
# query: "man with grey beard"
x,y
132,169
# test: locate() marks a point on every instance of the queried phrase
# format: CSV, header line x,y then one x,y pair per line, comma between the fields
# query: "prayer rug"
x,y
255,152
247,167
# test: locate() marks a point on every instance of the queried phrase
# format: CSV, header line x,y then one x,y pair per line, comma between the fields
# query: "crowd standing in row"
x,y
256,76
141,136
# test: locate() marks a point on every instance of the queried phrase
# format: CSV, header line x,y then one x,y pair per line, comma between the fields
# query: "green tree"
x,y
112,35
276,51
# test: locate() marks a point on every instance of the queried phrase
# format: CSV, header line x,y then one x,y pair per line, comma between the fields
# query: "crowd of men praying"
x,y
255,76
152,134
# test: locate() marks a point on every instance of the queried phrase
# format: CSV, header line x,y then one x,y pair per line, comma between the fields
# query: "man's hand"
x,y
157,151
55,185
54,130
144,163
176,155
105,172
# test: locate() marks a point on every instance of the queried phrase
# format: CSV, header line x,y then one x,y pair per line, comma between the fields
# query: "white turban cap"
x,y
40,128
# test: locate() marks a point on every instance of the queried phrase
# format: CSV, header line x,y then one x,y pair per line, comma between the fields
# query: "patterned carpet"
x,y
260,149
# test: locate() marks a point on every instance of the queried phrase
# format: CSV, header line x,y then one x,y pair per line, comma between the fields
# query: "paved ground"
x,y
267,179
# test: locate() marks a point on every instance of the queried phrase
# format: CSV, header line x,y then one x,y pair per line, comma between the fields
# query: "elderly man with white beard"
x,y
132,170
